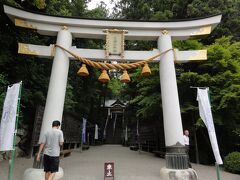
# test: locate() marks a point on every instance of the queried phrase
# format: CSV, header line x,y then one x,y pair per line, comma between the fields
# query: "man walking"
x,y
51,143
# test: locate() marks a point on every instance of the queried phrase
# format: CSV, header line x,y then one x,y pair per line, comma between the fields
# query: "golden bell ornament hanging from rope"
x,y
146,71
83,71
125,77
104,78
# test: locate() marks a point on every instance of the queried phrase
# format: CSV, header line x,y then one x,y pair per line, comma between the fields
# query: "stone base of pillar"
x,y
178,174
176,157
39,174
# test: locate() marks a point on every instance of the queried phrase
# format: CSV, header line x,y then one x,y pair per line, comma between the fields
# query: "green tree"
x,y
3,89
61,8
79,7
115,86
181,9
147,97
221,74
100,11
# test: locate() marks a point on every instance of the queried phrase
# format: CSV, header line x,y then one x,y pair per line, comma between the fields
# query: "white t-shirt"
x,y
52,140
186,140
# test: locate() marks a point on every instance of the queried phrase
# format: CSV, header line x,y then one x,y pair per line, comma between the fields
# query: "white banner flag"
x,y
84,130
8,121
206,115
96,132
126,134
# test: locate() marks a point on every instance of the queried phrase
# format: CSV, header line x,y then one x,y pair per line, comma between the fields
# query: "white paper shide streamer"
x,y
206,115
8,121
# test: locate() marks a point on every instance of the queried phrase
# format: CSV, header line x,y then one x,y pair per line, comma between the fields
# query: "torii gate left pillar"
x,y
58,82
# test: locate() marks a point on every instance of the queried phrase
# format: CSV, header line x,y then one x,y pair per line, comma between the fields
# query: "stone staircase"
x,y
114,136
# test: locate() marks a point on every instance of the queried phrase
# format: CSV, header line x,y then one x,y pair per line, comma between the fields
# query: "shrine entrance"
x,y
114,131
115,32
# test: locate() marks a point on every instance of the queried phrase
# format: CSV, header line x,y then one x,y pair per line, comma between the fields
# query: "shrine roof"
x,y
114,102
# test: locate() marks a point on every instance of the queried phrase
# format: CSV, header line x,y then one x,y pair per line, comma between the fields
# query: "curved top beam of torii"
x,y
93,28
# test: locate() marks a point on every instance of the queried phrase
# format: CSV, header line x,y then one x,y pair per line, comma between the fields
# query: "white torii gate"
x,y
67,28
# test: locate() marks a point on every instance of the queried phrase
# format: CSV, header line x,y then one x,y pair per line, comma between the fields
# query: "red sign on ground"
x,y
109,171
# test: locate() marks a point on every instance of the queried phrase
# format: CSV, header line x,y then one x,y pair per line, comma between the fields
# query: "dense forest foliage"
x,y
221,72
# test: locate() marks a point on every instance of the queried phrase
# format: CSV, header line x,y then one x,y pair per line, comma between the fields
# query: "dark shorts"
x,y
50,163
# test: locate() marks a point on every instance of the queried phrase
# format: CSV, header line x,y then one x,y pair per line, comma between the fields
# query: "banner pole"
x,y
217,170
15,133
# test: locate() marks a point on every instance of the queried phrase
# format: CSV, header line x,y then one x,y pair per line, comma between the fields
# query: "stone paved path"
x,y
129,165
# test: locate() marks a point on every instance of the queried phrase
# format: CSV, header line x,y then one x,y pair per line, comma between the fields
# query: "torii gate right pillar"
x,y
176,157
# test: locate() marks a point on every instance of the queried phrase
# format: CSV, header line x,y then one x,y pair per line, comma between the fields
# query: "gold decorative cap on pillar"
x,y
83,71
125,77
104,78
165,32
146,71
